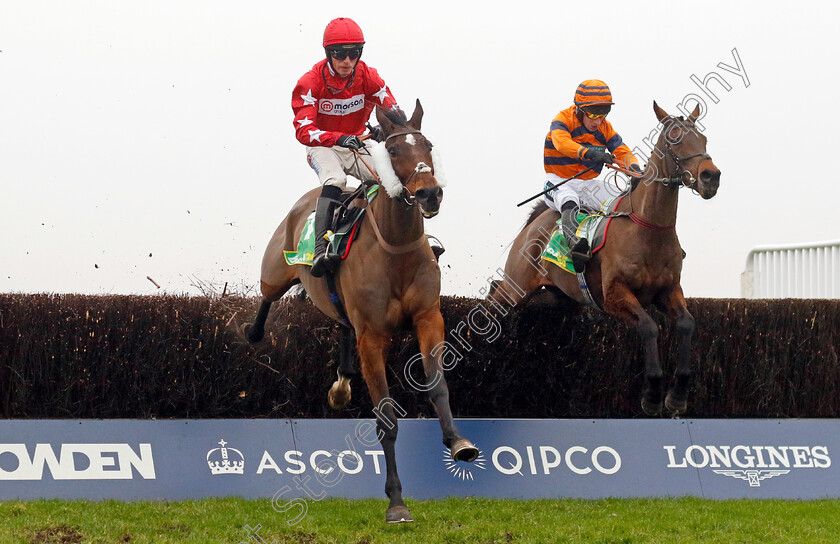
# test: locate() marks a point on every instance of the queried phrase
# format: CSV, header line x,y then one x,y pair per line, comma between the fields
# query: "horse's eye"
x,y
431,145
392,151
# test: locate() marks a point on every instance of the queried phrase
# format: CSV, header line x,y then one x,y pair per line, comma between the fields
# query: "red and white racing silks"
x,y
326,106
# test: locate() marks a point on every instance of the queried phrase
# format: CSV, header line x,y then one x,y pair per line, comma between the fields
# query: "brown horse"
x,y
390,279
641,261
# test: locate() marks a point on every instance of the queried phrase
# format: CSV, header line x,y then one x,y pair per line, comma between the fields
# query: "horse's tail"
x,y
536,211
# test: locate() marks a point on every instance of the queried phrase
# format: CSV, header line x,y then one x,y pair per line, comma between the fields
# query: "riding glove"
x,y
598,156
375,132
349,141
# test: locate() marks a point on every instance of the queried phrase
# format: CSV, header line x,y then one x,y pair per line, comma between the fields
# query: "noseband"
x,y
682,177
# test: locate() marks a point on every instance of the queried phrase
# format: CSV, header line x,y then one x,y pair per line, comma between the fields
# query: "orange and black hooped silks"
x,y
568,140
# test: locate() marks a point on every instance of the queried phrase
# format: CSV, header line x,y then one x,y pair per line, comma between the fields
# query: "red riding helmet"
x,y
593,92
341,31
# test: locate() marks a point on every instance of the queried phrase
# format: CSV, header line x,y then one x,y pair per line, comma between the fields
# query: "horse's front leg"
x,y
372,349
620,302
677,399
430,335
340,393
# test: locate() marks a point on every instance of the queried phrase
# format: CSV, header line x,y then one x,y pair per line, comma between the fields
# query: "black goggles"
x,y
341,54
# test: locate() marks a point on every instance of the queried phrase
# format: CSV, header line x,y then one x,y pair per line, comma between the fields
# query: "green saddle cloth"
x,y
590,226
338,241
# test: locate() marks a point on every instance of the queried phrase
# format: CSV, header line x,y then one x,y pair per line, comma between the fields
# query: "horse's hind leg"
x,y
677,399
255,331
524,272
339,395
430,335
372,348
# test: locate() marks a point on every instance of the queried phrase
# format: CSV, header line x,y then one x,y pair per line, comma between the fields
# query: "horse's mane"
x,y
634,182
536,211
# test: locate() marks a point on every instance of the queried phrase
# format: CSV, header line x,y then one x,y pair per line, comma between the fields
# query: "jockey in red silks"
x,y
332,102
580,137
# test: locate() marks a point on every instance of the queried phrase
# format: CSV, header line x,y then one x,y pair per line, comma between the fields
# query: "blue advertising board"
x,y
313,459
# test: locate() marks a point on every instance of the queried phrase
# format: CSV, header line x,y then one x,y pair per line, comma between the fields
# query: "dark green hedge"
x,y
74,356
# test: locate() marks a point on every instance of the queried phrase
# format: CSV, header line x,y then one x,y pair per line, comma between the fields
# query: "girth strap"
x,y
584,288
336,300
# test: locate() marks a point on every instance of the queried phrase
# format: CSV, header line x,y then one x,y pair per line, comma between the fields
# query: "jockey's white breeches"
x,y
589,193
334,164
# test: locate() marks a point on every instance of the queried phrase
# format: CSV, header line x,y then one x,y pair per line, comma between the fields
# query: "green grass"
x,y
480,521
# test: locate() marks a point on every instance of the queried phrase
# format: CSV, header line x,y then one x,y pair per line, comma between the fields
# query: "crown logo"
x,y
219,461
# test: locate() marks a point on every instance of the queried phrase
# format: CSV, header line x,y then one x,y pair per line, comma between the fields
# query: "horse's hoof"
x,y
339,395
651,408
675,406
251,333
398,514
463,450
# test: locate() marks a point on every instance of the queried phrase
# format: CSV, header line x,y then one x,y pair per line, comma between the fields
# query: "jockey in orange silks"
x,y
579,143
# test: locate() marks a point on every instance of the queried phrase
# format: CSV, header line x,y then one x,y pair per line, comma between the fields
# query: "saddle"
x,y
592,226
342,233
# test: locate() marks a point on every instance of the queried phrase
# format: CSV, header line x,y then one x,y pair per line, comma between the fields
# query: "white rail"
x,y
793,271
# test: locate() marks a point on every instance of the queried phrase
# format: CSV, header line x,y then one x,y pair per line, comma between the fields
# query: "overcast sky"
x,y
155,138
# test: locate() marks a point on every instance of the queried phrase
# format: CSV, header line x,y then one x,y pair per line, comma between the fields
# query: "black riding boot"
x,y
324,208
579,247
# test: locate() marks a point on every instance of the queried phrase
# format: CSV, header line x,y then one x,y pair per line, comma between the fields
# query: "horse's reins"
x,y
410,201
678,181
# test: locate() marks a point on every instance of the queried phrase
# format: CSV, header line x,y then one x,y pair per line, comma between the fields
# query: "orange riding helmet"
x,y
593,92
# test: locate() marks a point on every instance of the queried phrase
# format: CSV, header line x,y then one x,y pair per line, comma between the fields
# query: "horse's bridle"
x,y
683,178
409,200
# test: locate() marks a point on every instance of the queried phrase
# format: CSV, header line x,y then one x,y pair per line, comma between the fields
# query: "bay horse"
x,y
390,279
641,260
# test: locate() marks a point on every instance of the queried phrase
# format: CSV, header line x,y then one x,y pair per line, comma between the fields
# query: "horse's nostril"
x,y
709,176
429,193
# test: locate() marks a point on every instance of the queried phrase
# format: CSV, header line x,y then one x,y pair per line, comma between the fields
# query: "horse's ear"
x,y
695,114
417,116
660,113
385,124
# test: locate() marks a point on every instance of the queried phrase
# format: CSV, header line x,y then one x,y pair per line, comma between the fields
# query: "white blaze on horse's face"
x,y
388,178
409,139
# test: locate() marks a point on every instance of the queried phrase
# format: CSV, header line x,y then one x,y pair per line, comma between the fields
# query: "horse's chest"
x,y
652,276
